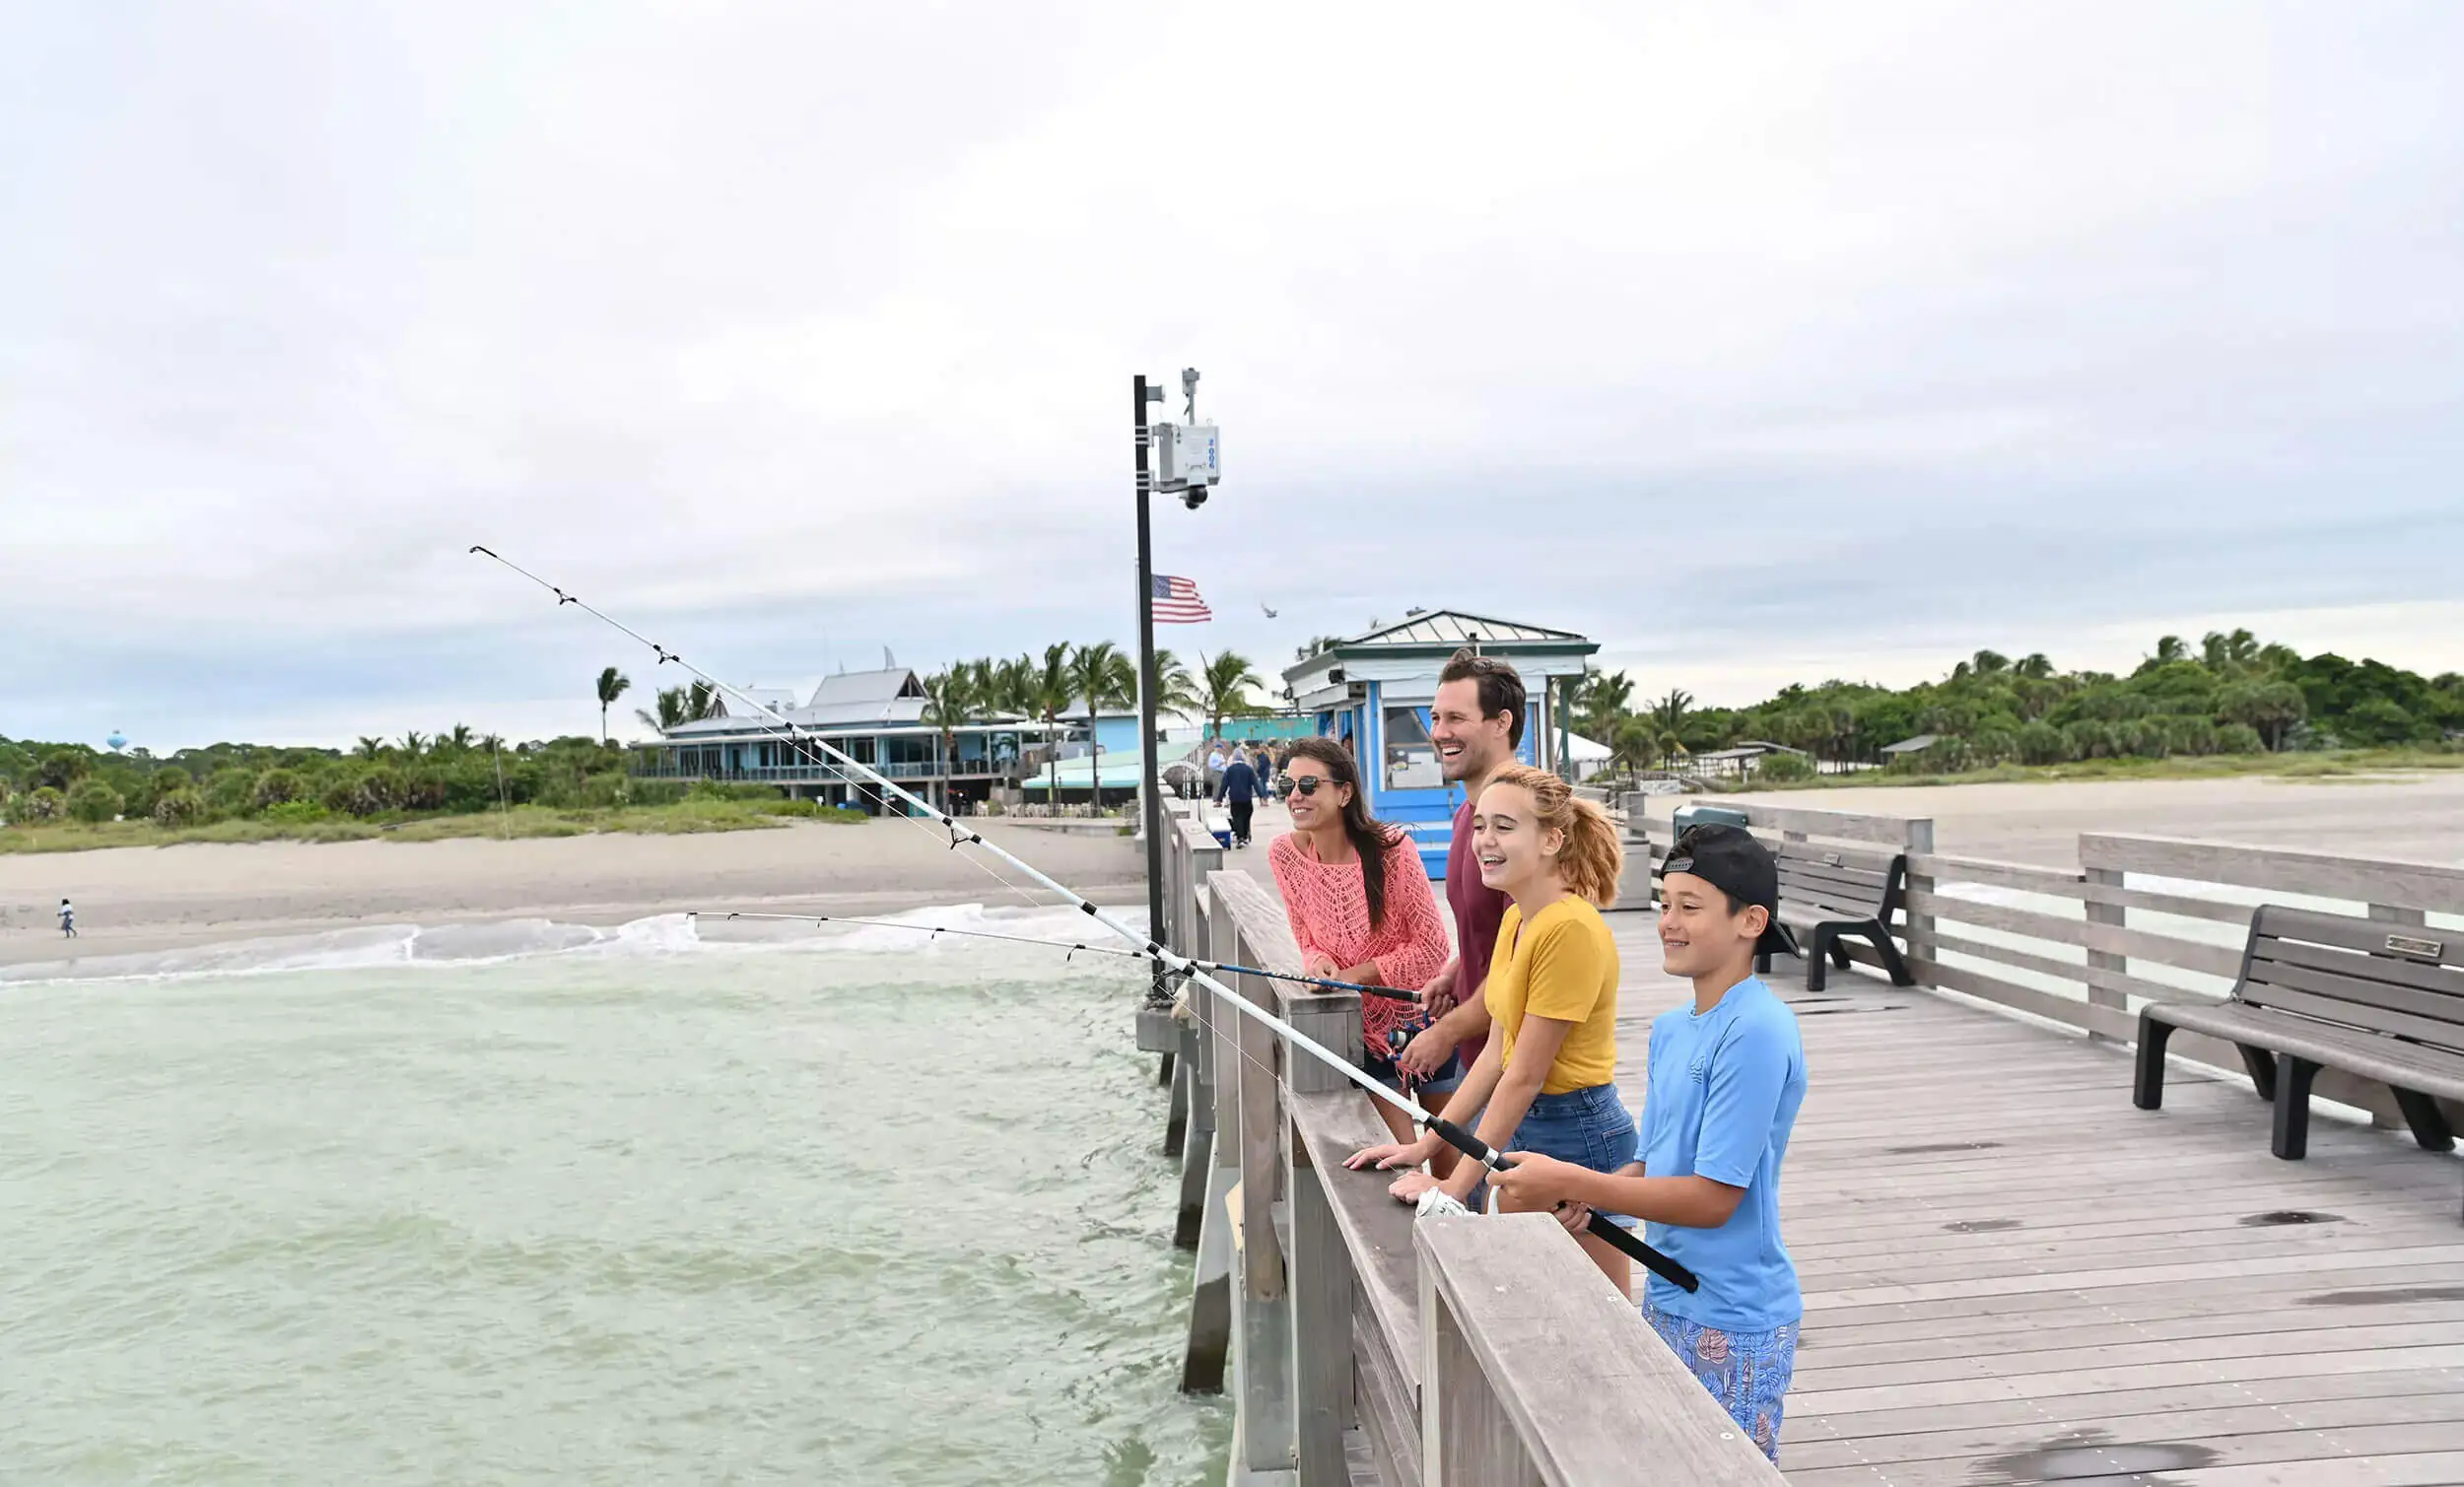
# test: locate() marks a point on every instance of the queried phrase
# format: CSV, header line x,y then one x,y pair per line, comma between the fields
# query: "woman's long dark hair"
x,y
1370,840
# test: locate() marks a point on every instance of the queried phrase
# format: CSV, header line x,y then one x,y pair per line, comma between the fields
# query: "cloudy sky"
x,y
1761,342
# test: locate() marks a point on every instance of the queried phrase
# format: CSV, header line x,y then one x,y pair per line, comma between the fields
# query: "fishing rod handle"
x,y
1601,1227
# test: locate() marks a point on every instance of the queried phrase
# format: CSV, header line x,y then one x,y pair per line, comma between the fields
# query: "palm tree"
x,y
678,706
457,740
949,704
1012,688
1990,662
2170,649
1670,711
2037,667
1600,701
1175,692
613,684
1223,689
1050,692
414,744
1104,678
1317,645
369,747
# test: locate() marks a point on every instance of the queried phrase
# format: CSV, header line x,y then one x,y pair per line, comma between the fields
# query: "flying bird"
x,y
1270,614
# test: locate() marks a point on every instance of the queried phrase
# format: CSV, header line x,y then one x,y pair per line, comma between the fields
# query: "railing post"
x,y
1920,926
1321,1268
1466,1438
1261,1306
2105,960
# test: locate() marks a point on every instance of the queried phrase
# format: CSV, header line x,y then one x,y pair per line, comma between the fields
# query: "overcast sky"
x,y
1760,342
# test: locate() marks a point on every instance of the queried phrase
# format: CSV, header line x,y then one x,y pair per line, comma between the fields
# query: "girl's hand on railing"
x,y
1409,1187
1394,1154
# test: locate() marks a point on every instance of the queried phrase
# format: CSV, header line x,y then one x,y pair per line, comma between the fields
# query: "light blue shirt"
x,y
1724,1087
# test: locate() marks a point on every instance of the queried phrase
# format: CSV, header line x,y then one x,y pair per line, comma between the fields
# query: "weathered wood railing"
x,y
1474,1351
2085,947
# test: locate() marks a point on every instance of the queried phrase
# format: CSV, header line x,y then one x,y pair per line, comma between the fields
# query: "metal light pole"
x,y
1150,806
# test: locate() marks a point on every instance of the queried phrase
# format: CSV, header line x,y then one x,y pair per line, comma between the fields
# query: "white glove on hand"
x,y
1444,1204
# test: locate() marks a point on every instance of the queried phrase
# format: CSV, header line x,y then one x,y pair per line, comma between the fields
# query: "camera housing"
x,y
1194,497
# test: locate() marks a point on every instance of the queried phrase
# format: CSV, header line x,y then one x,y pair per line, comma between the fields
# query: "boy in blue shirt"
x,y
1727,1076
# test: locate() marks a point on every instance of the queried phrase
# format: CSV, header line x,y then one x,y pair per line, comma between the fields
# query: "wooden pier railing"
x,y
1363,1345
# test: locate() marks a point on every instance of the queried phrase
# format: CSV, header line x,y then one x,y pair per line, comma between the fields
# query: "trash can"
x,y
1708,815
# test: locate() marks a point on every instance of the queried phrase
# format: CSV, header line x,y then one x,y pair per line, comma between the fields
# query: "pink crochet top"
x,y
1330,912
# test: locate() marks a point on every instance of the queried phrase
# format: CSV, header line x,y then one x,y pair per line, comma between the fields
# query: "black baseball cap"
x,y
1730,859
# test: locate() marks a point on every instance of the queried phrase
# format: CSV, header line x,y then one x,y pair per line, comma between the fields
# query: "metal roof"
x,y
866,687
1453,627
1916,745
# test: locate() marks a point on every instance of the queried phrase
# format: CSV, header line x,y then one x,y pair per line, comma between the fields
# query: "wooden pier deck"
x,y
2013,1276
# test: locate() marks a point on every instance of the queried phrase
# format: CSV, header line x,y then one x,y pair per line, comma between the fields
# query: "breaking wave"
x,y
388,946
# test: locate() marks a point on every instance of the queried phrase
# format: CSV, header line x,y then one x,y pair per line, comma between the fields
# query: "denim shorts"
x,y
1747,1372
1588,1127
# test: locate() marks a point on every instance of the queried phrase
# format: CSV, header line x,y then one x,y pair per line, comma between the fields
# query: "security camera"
x,y
1194,497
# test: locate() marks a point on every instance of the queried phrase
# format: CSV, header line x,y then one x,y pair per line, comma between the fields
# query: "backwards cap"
x,y
1730,859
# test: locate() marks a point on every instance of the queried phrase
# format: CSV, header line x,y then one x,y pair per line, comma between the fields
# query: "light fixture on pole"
x,y
1187,463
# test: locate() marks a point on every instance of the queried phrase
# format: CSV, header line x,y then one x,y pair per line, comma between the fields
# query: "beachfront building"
x,y
1373,693
877,717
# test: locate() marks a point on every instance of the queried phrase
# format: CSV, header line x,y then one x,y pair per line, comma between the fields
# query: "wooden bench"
x,y
1831,895
2381,1000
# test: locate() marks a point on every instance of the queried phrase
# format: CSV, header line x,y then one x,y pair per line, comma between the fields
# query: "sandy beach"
x,y
2420,817
141,899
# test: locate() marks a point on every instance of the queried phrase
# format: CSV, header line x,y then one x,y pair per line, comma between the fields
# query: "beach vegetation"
x,y
42,803
91,801
178,808
2227,697
613,684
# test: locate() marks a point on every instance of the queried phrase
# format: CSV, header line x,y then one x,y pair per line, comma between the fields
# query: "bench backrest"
x,y
2405,981
1840,883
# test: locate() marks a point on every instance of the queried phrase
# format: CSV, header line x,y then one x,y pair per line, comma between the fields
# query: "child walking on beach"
x,y
1728,1073
68,919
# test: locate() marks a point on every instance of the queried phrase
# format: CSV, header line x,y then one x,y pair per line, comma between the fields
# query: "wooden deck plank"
x,y
1999,1254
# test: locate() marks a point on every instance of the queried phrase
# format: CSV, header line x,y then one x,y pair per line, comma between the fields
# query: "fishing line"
x,y
1171,959
1078,947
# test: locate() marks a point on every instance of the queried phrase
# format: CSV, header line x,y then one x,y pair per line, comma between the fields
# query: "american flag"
x,y
1174,601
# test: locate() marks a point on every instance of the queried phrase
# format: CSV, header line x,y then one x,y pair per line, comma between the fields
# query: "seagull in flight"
x,y
1270,614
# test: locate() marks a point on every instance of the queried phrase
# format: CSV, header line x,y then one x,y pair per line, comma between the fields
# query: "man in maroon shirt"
x,y
1476,723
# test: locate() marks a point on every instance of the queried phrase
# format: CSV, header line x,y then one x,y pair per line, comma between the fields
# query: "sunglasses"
x,y
1306,785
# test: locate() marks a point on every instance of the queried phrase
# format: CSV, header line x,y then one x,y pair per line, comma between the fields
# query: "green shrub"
x,y
230,793
1783,768
93,802
42,804
278,787
2040,742
2191,735
1994,744
296,812
2141,738
2239,738
178,808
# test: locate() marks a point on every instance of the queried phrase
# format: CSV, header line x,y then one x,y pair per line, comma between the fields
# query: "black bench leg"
x,y
1818,959
2292,1107
2148,1089
1839,952
2429,1127
1892,961
2262,1066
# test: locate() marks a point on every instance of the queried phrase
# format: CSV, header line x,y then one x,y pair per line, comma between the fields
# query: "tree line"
x,y
2231,695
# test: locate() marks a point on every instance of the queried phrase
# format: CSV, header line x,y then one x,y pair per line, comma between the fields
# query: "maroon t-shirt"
x,y
1478,910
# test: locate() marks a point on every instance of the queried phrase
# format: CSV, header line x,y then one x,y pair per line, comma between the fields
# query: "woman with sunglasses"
x,y
1358,899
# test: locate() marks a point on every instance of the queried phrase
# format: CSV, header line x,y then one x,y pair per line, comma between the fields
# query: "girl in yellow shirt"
x,y
1543,1081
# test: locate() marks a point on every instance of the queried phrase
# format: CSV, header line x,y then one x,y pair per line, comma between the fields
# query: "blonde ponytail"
x,y
1592,860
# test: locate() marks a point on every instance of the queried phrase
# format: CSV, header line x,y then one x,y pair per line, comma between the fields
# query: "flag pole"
x,y
1151,804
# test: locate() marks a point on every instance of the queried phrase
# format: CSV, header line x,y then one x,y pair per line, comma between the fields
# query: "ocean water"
x,y
536,1203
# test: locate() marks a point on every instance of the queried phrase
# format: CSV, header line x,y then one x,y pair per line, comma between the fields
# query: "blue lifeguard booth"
x,y
1374,691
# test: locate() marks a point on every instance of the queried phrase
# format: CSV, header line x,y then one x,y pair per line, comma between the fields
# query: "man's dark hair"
x,y
1501,687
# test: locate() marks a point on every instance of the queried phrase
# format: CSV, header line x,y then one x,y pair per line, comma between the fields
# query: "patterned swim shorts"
x,y
1747,1372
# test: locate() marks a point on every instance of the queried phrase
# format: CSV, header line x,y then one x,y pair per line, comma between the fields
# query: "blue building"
x,y
877,717
1374,690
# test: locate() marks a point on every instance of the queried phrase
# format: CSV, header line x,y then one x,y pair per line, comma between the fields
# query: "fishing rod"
x,y
1660,1264
1389,993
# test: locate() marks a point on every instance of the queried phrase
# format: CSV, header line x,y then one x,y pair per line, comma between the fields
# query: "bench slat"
x,y
2306,993
2388,1059
2434,983
2368,936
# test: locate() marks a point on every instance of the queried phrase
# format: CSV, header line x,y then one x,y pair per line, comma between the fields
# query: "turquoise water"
x,y
532,1204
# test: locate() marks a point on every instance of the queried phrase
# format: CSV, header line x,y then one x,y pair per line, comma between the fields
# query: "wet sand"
x,y
140,899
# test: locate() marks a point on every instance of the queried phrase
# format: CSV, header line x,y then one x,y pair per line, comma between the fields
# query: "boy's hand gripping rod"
x,y
1446,1130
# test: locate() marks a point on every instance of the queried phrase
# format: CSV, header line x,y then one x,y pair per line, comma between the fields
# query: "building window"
x,y
1410,759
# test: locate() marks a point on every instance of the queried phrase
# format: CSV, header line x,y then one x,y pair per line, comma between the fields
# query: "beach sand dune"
x,y
148,899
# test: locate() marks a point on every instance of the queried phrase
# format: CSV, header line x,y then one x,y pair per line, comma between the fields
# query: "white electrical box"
x,y
1185,455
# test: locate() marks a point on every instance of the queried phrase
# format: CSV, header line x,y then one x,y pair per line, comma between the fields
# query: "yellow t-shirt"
x,y
1565,967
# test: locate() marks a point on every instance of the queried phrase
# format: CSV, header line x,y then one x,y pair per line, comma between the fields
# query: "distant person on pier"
x,y
1214,767
1241,787
1358,901
1544,1079
1728,1073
